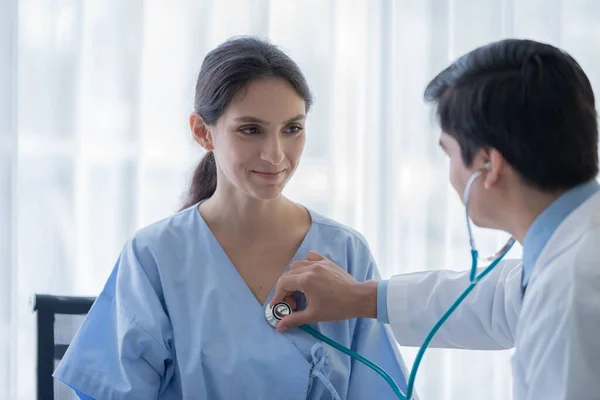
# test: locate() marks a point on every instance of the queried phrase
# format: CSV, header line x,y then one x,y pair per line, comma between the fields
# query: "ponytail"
x,y
204,181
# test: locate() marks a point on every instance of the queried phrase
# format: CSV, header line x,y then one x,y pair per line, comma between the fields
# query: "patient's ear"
x,y
201,131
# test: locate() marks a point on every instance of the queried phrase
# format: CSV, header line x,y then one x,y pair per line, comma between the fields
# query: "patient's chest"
x,y
225,349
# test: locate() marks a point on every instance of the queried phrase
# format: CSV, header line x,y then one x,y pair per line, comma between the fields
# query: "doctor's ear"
x,y
493,166
201,132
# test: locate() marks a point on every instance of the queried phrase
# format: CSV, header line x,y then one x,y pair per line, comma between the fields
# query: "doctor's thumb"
x,y
293,320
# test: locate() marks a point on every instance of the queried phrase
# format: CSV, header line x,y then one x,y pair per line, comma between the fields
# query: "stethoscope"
x,y
282,309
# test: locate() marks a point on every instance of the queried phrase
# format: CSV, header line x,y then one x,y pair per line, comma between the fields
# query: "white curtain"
x,y
94,141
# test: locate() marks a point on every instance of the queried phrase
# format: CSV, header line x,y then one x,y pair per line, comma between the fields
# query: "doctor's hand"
x,y
331,293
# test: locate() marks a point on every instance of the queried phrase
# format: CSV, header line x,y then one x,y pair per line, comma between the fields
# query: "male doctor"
x,y
523,114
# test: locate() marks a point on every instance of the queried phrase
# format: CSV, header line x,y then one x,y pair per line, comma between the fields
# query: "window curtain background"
x,y
94,138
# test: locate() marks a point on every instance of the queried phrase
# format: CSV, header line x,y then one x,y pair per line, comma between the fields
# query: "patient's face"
x,y
259,139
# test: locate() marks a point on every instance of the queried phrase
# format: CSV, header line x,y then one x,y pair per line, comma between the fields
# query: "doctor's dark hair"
x,y
225,71
528,100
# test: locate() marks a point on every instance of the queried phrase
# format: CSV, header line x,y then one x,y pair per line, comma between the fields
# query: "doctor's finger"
x,y
295,319
291,301
300,264
314,256
286,285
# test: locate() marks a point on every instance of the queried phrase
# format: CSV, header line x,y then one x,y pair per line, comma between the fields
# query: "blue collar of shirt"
x,y
546,223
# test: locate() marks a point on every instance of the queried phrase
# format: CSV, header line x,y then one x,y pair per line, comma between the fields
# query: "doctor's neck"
x,y
524,205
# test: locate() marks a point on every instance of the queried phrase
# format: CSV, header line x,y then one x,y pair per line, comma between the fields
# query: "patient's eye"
x,y
294,129
249,130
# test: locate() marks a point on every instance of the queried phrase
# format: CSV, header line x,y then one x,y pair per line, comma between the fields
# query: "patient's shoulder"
x,y
330,229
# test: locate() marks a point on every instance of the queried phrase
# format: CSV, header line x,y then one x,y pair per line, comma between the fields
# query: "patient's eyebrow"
x,y
297,118
250,119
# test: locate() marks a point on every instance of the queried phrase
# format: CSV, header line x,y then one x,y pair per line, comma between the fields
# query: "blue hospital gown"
x,y
177,321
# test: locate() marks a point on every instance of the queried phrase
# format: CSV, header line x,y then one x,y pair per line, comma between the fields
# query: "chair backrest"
x,y
58,319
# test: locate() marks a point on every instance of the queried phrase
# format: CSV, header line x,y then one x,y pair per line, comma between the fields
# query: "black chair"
x,y
58,319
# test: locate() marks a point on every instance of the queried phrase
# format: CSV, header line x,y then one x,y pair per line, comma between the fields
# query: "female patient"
x,y
182,314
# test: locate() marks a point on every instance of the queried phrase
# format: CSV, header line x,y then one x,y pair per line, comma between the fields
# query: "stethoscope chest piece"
x,y
276,313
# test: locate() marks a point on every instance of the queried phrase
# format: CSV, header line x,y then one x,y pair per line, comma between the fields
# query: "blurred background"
x,y
94,139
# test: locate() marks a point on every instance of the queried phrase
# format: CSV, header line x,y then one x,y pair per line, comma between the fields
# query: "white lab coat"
x,y
555,327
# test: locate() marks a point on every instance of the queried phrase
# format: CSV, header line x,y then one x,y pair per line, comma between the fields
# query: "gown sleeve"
x,y
123,348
